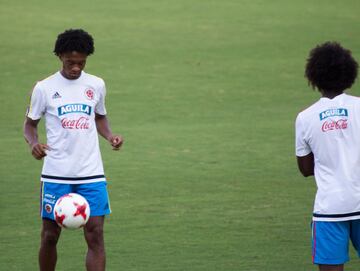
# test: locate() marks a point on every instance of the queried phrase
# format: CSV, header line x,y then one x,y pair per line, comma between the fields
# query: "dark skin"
x,y
306,167
306,164
72,65
337,267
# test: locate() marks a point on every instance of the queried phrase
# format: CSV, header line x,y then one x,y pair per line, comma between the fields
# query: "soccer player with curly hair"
x,y
328,147
73,105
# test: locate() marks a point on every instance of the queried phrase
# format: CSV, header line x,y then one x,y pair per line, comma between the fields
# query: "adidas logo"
x,y
56,95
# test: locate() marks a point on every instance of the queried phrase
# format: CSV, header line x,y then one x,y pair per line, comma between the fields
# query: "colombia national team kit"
x,y
330,130
73,163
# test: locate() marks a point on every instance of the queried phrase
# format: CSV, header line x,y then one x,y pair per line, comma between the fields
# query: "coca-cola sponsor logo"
x,y
81,123
334,125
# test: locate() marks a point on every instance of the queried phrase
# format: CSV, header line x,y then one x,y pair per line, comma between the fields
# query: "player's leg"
x,y
337,267
97,196
355,235
94,236
50,234
330,244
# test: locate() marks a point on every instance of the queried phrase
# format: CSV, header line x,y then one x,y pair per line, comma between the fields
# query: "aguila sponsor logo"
x,y
334,125
74,108
81,123
341,112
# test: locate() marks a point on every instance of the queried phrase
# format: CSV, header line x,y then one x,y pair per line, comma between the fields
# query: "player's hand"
x,y
38,150
116,141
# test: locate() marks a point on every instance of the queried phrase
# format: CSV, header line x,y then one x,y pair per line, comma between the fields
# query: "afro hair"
x,y
76,40
331,68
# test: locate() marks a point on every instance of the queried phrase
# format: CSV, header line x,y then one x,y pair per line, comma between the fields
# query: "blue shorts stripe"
x,y
314,241
41,198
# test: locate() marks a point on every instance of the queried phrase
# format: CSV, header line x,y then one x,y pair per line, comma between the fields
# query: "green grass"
x,y
205,93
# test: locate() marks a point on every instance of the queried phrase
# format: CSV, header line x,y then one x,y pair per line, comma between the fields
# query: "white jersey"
x,y
69,108
330,129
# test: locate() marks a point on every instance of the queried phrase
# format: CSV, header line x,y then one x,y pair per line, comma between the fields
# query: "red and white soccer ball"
x,y
71,211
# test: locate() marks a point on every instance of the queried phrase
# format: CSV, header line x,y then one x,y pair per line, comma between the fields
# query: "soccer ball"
x,y
71,211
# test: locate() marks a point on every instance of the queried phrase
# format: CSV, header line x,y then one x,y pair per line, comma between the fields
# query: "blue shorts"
x,y
330,241
95,193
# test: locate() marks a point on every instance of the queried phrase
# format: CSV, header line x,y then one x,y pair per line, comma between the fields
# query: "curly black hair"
x,y
76,40
331,68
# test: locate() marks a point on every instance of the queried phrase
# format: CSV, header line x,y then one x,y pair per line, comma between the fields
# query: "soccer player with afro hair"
x,y
328,147
73,105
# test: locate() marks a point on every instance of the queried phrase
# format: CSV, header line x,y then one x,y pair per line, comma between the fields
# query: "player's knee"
x,y
94,237
50,237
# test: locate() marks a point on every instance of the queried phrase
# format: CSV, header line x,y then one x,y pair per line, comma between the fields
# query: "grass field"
x,y
205,93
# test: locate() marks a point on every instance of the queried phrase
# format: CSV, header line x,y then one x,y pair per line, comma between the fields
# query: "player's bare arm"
x,y
104,130
38,150
306,164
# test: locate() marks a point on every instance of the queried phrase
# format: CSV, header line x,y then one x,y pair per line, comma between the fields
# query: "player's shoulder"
x,y
41,85
308,111
47,80
351,98
93,78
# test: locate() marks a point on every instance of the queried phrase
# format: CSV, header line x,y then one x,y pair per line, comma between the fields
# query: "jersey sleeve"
x,y
100,106
37,104
302,148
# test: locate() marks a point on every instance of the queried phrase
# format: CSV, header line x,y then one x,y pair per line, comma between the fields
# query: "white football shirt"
x,y
69,108
330,129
